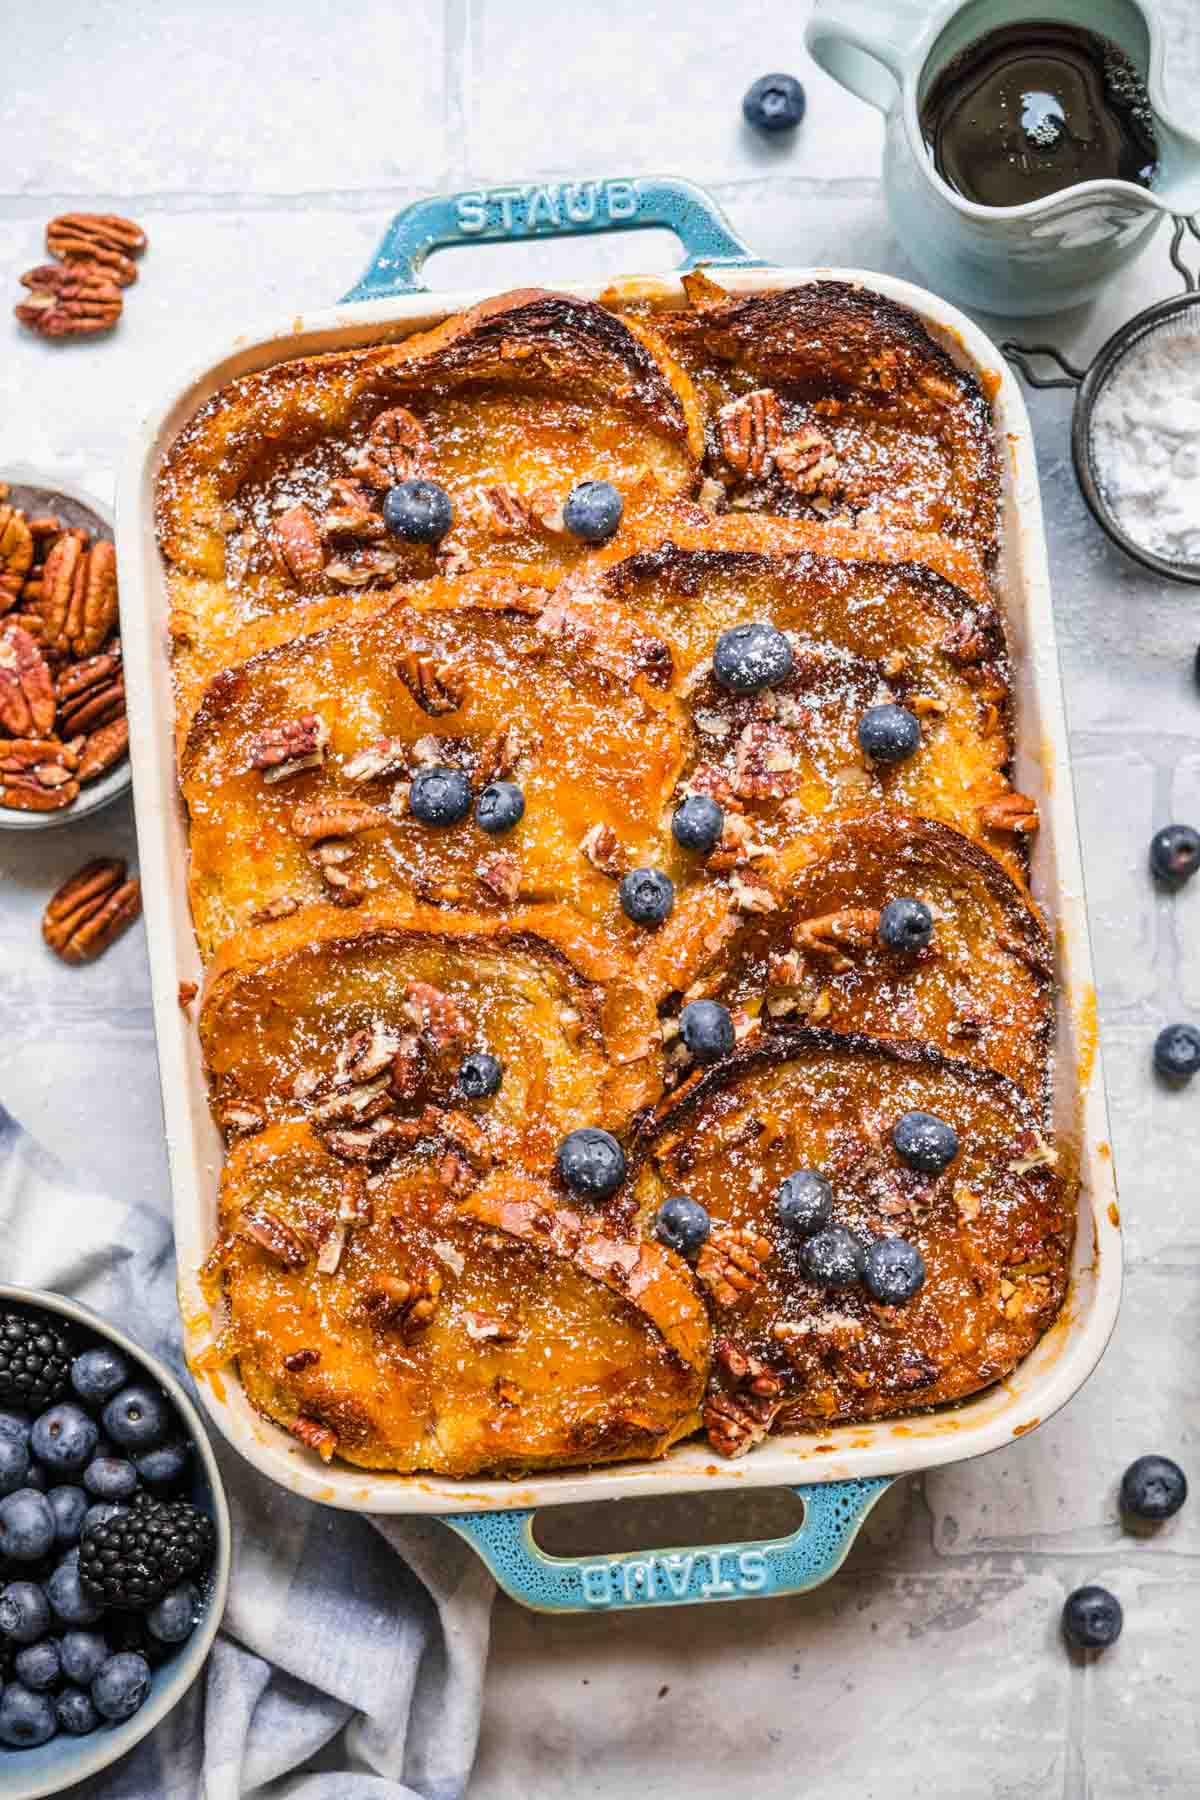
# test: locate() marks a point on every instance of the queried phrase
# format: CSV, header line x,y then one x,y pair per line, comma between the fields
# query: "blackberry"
x,y
35,1361
129,1562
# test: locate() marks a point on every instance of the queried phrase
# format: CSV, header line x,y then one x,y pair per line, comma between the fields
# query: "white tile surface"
x,y
265,150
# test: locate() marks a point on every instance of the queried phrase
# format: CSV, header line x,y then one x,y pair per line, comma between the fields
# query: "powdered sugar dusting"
x,y
1145,443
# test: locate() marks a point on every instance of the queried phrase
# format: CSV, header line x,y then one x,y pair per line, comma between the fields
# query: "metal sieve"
x,y
1172,317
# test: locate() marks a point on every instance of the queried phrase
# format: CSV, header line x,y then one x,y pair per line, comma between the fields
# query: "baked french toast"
x,y
595,727
500,683
406,1327
981,989
994,1227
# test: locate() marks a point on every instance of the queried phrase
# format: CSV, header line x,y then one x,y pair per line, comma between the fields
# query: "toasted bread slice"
x,y
863,632
273,492
995,1228
829,399
403,1329
361,1020
497,682
981,989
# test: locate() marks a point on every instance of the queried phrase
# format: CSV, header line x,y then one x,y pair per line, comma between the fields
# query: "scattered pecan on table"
x,y
80,294
91,909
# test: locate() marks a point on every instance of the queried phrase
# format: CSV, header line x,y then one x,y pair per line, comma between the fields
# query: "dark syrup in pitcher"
x,y
1033,108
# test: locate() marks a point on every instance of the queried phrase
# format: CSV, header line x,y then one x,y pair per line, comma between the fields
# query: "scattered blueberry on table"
x,y
1177,1052
592,511
774,103
1092,1618
1175,854
421,512
102,1564
1153,1487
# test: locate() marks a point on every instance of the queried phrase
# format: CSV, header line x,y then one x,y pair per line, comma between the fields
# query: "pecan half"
x,y
38,775
440,1018
748,430
103,748
282,907
321,1438
283,750
730,1264
274,1235
105,240
27,700
808,462
735,1424
397,449
76,300
16,554
296,545
502,873
391,1300
765,762
90,910
86,712
1012,812
316,820
93,618
853,928
62,576
437,687
602,849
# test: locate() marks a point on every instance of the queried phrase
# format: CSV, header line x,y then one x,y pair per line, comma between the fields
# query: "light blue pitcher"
x,y
1021,260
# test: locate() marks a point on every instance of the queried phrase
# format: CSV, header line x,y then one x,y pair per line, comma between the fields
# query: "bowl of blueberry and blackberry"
x,y
114,1543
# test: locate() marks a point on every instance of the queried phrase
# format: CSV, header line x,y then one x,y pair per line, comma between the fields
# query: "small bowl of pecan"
x,y
64,737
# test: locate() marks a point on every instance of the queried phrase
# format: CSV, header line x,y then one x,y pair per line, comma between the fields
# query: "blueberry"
x,y
64,1439
905,925
888,734
68,1505
752,656
647,896
26,1526
439,796
697,823
1177,1052
682,1224
1175,854
110,1478
15,1425
174,1617
1153,1487
421,512
163,1466
103,1511
137,1418
1092,1618
83,1654
833,1258
774,103
893,1271
593,511
67,1597
24,1612
805,1202
26,1719
707,1030
38,1665
480,1075
75,1713
96,1375
591,1162
124,1680
14,1465
500,806
924,1142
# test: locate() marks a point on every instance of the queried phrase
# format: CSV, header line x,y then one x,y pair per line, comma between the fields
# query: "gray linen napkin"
x,y
350,1662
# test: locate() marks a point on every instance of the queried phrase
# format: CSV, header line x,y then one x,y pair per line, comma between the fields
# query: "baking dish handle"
x,y
506,215
833,1514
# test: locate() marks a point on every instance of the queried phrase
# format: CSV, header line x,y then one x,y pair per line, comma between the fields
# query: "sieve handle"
x,y
1020,354
1182,224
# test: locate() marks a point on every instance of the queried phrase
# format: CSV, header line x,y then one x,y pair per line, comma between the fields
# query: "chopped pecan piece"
x,y
318,1437
808,462
397,449
27,700
748,430
485,1328
502,873
354,1198
599,844
711,779
503,511
373,1142
299,1360
371,565
104,240
356,1105
185,994
853,928
76,300
274,1235
747,1371
366,1053
386,756
500,754
330,1253
296,545
765,762
969,641
282,907
730,1264
408,1067
284,750
315,820
751,896
242,1119
1011,812
103,748
440,1018
353,517
735,1425
437,687
470,1137
90,909
456,1174
391,1300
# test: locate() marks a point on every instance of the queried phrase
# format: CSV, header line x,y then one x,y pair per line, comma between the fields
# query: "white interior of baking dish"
x,y
1066,1355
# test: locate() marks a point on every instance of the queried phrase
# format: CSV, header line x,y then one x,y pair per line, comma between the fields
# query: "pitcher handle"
x,y
865,44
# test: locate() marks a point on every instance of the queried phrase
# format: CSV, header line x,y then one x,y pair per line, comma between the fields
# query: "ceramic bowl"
x,y
64,1761
36,491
